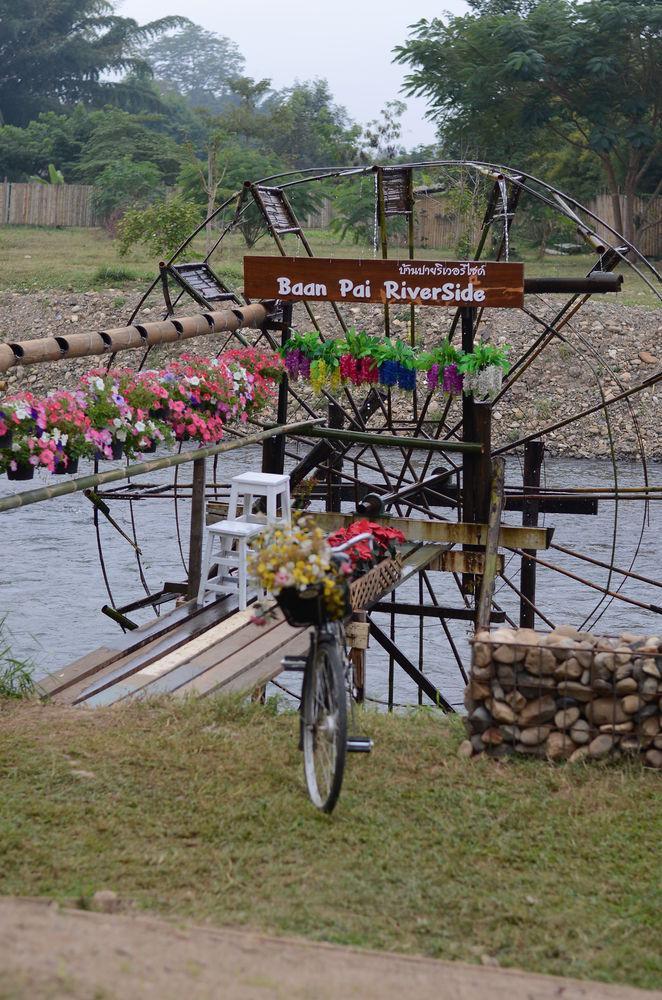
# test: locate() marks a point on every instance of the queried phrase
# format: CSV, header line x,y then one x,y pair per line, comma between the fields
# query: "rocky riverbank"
x,y
606,348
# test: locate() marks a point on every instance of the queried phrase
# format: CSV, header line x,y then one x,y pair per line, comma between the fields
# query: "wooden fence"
x,y
649,241
436,224
47,205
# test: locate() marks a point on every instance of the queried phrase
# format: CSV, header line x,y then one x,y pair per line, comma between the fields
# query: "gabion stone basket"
x,y
369,588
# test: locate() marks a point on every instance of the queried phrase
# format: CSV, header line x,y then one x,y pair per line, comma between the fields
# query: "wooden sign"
x,y
394,282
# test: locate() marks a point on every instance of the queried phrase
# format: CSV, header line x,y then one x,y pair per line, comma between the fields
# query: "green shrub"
x,y
162,227
15,675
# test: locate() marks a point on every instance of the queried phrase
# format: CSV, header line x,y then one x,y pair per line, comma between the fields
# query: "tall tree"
x,y
56,54
198,64
583,74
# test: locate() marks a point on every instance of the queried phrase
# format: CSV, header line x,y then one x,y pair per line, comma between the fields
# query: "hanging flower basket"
x,y
6,439
66,469
116,449
23,470
484,385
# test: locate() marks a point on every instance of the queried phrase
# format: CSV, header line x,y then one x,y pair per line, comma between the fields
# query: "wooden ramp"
x,y
194,650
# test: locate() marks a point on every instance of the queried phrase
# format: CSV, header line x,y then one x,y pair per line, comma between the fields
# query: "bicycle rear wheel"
x,y
324,724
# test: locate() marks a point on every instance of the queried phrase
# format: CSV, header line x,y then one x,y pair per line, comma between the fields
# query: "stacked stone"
x,y
565,695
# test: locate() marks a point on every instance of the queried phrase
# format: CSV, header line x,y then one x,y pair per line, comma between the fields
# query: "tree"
x,y
125,184
56,54
198,64
579,74
381,137
236,162
116,134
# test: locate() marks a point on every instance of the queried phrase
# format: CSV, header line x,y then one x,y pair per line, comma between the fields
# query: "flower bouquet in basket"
x,y
23,453
64,426
296,565
441,366
109,414
7,424
483,371
397,365
357,361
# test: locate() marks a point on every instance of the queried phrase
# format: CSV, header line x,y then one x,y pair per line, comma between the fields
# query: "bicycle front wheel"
x,y
324,725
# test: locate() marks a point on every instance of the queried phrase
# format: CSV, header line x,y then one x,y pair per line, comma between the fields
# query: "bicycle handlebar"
x,y
353,541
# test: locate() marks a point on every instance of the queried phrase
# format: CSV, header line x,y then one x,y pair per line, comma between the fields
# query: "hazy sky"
x,y
347,42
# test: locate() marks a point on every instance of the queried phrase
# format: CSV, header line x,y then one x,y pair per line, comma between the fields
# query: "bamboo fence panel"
x,y
47,205
649,241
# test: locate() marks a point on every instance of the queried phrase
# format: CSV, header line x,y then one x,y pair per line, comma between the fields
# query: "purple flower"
x,y
452,381
433,377
293,363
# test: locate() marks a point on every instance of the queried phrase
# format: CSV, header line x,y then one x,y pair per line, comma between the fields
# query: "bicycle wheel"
x,y
324,724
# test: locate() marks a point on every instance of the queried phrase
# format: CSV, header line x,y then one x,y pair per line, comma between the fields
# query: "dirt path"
x,y
47,953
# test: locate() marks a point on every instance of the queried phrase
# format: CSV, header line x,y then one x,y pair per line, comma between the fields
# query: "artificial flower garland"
x,y
122,412
362,360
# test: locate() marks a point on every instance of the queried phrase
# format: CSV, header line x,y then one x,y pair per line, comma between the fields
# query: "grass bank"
x,y
38,258
197,810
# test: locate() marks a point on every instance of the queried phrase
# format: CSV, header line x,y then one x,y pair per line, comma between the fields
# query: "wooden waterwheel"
x,y
399,455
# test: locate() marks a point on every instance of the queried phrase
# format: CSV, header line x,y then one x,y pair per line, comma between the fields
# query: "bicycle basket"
x,y
306,607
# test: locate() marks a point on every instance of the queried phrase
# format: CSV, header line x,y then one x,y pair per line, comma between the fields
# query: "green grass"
x,y
197,810
36,258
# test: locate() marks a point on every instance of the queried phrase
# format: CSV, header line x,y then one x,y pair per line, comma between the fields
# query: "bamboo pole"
x,y
390,440
492,545
80,345
142,468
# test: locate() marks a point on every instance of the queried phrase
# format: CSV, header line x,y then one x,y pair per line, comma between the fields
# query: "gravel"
x,y
605,345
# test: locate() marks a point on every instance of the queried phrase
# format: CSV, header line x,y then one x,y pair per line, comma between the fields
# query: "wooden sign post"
x,y
477,284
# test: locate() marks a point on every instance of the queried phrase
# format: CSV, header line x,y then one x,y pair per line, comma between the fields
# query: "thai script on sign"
x,y
462,269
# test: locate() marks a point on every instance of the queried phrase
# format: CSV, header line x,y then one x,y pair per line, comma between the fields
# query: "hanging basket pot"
x,y
22,471
60,469
117,450
484,385
6,439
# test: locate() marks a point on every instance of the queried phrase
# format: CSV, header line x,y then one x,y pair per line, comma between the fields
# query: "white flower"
x,y
99,383
140,427
117,422
193,379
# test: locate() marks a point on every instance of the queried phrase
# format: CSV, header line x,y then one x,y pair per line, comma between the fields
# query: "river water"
x,y
51,587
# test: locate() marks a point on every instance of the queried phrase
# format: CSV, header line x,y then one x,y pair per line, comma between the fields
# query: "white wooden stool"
x,y
274,488
226,534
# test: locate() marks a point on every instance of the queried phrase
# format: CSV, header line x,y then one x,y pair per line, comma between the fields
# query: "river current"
x,y
52,590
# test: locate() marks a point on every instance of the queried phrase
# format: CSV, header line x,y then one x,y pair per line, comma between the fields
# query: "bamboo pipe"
x,y
158,333
81,483
81,345
192,326
391,441
123,338
32,352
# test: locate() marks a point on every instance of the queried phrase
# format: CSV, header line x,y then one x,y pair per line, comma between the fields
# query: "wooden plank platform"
x,y
196,651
